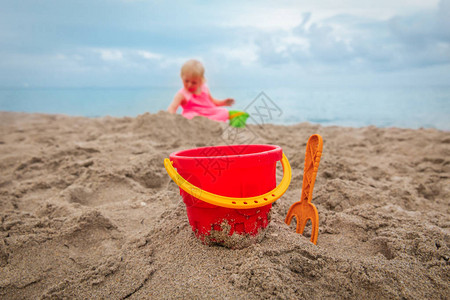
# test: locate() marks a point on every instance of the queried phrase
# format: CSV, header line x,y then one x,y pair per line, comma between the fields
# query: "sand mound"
x,y
88,211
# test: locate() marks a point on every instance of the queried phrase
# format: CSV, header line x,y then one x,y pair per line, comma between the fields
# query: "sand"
x,y
88,211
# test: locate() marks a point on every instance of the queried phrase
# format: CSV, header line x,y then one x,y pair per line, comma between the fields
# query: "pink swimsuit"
x,y
201,105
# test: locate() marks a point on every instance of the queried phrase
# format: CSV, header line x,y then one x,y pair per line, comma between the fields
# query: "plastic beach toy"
x,y
229,190
238,118
304,210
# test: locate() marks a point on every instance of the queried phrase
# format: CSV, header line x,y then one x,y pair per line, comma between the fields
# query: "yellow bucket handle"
x,y
231,202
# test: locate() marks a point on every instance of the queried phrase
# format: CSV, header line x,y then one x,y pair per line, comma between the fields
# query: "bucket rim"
x,y
271,149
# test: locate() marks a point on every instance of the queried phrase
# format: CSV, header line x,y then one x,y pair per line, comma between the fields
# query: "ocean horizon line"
x,y
411,107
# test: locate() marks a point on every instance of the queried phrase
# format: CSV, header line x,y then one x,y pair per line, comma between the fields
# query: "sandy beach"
x,y
87,211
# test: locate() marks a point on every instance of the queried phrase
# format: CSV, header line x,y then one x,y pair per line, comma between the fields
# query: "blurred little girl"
x,y
196,100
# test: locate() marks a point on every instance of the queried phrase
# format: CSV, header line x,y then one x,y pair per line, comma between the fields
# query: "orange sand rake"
x,y
304,210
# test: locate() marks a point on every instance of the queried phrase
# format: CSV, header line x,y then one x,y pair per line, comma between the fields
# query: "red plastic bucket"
x,y
233,171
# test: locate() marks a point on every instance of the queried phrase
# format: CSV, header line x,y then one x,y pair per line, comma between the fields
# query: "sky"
x,y
139,43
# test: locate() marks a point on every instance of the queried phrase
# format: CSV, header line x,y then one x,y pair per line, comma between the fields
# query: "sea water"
x,y
404,107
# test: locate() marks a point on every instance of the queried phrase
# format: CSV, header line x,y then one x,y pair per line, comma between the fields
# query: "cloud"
x,y
356,43
149,55
109,55
97,42
244,55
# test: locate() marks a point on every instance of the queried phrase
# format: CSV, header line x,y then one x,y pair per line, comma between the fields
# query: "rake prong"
x,y
314,232
301,224
288,218
314,223
292,212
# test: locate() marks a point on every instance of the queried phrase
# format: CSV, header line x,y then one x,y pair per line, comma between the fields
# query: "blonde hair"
x,y
193,67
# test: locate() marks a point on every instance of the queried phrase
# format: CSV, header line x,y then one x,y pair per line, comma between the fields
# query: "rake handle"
x,y
312,160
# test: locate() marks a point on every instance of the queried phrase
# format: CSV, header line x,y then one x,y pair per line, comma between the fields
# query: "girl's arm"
x,y
177,100
226,102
